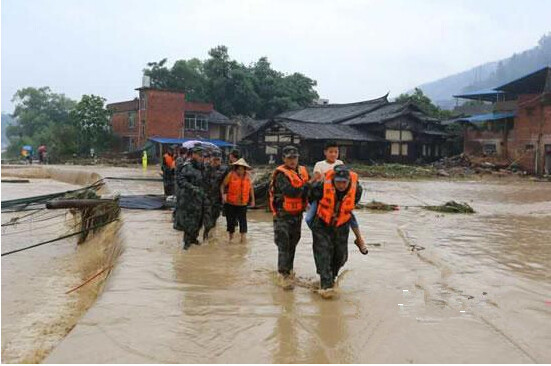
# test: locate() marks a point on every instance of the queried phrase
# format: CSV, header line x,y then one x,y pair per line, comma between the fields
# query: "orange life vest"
x,y
169,161
239,189
326,206
291,205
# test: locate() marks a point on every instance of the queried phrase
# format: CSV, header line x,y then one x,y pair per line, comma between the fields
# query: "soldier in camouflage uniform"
x,y
180,162
288,191
191,197
337,196
214,173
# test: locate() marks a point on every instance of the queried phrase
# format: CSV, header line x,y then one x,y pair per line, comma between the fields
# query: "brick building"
x,y
164,113
519,128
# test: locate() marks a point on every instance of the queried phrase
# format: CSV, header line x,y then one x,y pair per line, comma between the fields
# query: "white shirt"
x,y
323,166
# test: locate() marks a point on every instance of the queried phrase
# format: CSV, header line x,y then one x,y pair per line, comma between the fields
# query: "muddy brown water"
x,y
36,311
480,291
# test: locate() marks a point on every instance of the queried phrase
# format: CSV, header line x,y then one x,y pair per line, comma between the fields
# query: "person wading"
x,y
331,152
168,167
213,176
287,200
192,197
337,196
237,191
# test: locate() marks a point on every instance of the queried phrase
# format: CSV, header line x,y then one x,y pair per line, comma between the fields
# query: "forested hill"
x,y
491,74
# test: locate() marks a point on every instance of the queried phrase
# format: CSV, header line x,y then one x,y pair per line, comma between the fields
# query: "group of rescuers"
x,y
205,189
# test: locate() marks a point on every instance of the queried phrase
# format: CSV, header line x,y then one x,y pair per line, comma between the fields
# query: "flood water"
x,y
36,311
480,291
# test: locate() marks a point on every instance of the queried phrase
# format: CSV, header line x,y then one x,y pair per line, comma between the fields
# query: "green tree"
x,y
419,99
42,118
91,120
234,89
64,126
185,75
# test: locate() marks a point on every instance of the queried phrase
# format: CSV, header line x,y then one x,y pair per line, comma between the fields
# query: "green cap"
x,y
290,152
342,173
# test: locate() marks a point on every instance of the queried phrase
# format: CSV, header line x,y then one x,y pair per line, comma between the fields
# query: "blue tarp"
x,y
486,117
170,141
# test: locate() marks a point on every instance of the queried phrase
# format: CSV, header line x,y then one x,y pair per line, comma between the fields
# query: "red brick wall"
x,y
120,117
474,140
120,124
533,118
164,113
199,107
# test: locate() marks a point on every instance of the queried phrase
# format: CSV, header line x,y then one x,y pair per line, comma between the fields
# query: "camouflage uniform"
x,y
330,242
180,162
286,226
213,179
191,201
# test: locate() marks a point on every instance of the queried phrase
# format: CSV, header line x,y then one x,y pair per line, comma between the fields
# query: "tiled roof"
x,y
216,117
250,126
316,131
333,113
388,112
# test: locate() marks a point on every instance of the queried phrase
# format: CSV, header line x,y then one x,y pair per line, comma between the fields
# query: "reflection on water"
x,y
475,294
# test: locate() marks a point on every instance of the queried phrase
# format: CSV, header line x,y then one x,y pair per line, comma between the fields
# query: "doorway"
x,y
547,159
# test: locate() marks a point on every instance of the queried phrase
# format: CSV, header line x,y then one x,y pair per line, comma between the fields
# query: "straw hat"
x,y
242,162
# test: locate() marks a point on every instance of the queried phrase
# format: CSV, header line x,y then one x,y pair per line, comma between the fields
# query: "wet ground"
x,y
479,291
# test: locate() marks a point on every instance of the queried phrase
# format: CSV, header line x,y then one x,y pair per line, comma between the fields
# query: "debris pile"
x,y
378,206
464,165
451,207
94,216
261,184
393,171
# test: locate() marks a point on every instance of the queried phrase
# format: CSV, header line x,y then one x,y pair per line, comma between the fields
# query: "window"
x,y
424,150
392,135
270,138
271,150
489,149
436,152
404,149
196,122
529,147
284,138
190,122
395,148
398,135
407,136
131,119
143,101
143,127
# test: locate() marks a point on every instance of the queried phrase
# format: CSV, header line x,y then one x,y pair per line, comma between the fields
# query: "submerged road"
x,y
479,292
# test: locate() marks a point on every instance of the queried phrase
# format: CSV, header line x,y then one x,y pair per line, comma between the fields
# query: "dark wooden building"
x,y
370,130
410,134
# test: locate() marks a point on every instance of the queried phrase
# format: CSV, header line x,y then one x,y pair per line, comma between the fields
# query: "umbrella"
x,y
204,144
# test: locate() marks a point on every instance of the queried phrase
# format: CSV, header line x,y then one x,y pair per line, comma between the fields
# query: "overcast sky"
x,y
356,50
